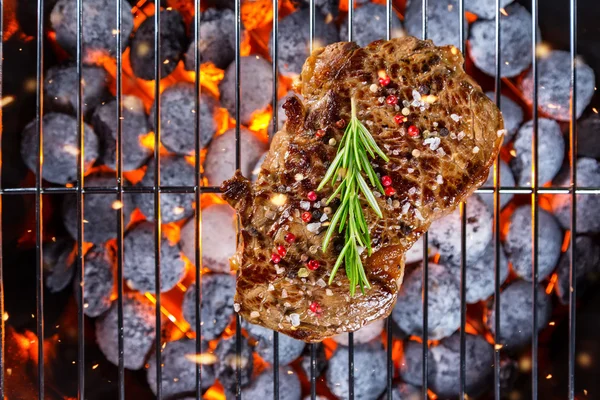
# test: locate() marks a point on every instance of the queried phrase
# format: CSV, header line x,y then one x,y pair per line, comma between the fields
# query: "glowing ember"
x,y
261,120
117,205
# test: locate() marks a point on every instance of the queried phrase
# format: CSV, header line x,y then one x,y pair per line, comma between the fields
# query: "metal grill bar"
x,y
350,334
1,237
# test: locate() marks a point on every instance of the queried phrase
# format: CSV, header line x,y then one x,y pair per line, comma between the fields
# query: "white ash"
x,y
588,140
59,263
369,24
518,242
289,349
364,335
512,114
99,263
443,303
227,359
220,158
138,331
554,80
60,147
485,9
139,265
587,267
411,364
442,21
99,26
256,74
506,180
134,127
216,304
551,150
178,118
515,46
415,253
262,387
516,314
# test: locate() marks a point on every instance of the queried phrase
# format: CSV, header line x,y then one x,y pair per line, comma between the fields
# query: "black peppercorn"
x,y
444,132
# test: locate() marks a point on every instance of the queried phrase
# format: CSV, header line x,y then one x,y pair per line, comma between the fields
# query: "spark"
x,y
549,376
552,323
117,205
95,366
5,316
6,101
498,346
72,150
595,110
202,358
503,11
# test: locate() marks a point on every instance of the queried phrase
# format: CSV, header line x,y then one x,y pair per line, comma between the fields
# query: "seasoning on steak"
x,y
283,272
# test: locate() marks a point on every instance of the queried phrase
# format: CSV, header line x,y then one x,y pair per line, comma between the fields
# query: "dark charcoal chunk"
x,y
485,8
256,79
220,158
479,356
554,71
519,247
320,359
99,26
515,45
138,331
98,279
60,147
289,349
178,370
59,263
506,180
174,171
178,118
587,266
217,39
329,8
173,43
588,136
216,303
226,367
512,114
369,24
405,391
442,21
588,206
134,127
139,268
443,304
61,88
365,334
516,314
218,243
369,367
411,366
99,210
551,150
262,387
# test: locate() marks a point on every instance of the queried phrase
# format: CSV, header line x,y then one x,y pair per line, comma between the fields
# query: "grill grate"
x,y
119,191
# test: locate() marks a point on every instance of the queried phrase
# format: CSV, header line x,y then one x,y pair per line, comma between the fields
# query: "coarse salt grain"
x,y
418,215
254,314
324,217
328,292
321,283
284,294
305,205
405,208
287,305
441,151
416,95
435,124
279,270
411,170
501,132
455,117
461,135
439,179
381,99
271,287
236,307
298,177
412,190
295,319
475,150
373,88
313,227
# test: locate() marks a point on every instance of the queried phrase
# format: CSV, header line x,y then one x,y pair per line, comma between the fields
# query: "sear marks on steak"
x,y
460,134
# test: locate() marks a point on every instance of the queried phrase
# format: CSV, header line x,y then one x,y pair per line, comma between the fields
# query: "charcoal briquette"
x,y
173,44
405,391
59,263
60,147
442,21
138,331
512,115
227,360
289,349
411,365
139,265
485,9
216,304
135,127
218,241
506,180
217,39
588,139
518,243
554,84
329,8
98,280
515,46
262,386
365,334
369,24
320,359
587,267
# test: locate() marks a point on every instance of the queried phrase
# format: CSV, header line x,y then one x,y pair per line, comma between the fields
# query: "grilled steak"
x,y
460,133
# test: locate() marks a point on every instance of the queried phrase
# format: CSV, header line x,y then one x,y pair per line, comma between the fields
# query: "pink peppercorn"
x,y
390,191
313,265
289,237
399,118
413,131
384,81
312,196
391,100
306,216
275,258
282,251
315,307
386,181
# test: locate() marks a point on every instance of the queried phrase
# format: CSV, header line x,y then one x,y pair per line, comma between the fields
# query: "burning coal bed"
x,y
217,106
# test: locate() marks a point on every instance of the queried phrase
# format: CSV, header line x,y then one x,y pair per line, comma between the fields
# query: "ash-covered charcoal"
x,y
405,391
256,74
588,139
100,210
217,39
443,303
258,166
369,378
320,359
369,24
262,386
134,127
289,349
294,41
485,9
173,43
99,26
516,314
174,171
518,243
98,278
61,88
506,180
139,269
411,365
444,233
363,335
329,8
554,80
442,21
177,126
515,46
479,356
415,253
59,263
216,304
218,242
512,114
587,267
60,147
588,207
138,331
551,150
219,164
179,369
226,366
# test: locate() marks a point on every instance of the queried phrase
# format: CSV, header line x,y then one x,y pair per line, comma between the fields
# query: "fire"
x,y
172,231
552,283
261,120
257,13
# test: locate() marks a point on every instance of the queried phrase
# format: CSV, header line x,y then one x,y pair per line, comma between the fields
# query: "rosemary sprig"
x,y
347,168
